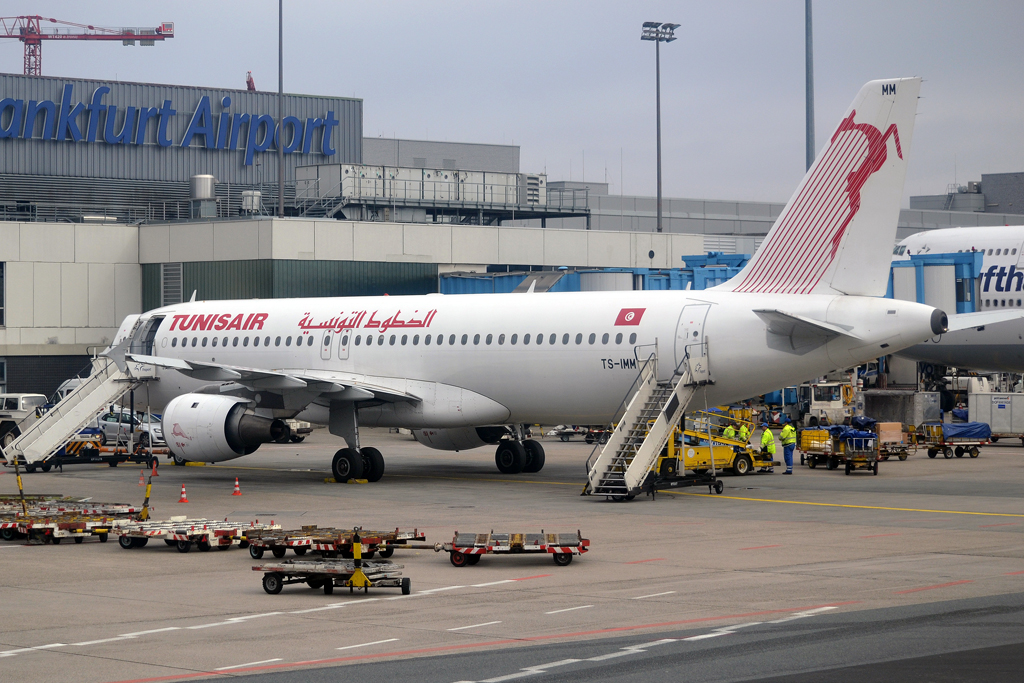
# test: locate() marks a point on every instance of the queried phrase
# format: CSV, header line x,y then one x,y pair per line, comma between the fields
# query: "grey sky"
x,y
569,79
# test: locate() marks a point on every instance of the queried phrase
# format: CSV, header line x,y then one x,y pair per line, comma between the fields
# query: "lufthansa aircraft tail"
x,y
835,235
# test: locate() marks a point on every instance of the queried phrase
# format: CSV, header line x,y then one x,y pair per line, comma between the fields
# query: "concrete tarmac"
x,y
804,549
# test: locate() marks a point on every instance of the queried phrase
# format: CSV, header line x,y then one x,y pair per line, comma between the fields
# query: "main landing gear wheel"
x,y
534,456
373,464
510,457
347,464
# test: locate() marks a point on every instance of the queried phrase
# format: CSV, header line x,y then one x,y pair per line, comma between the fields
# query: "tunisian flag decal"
x,y
630,316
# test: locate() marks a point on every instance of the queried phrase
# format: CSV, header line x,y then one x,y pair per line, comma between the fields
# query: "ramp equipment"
x,y
183,533
329,573
40,529
653,411
331,543
467,549
55,428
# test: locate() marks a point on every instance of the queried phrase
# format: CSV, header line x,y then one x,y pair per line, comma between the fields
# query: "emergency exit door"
x,y
690,346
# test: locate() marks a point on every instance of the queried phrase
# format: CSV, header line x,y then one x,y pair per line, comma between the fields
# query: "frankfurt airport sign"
x,y
224,129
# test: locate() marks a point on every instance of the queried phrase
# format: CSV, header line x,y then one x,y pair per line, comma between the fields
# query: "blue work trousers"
x,y
787,453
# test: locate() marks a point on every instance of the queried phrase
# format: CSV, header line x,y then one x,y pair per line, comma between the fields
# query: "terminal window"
x,y
3,375
2,297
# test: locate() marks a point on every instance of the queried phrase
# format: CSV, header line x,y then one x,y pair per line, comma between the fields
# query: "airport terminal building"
x,y
116,198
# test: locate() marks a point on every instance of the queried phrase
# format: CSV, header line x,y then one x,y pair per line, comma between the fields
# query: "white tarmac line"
x,y
239,666
100,641
463,628
376,642
570,609
652,595
438,590
146,633
11,653
492,583
233,620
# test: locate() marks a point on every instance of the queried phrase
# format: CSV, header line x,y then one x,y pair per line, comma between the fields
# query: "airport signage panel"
x,y
212,125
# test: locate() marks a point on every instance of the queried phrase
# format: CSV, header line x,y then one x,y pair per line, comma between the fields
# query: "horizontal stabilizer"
x,y
792,325
965,321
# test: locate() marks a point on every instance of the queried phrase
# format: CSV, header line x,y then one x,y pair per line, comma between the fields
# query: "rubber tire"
x,y
256,552
103,538
144,440
204,546
473,559
974,452
947,452
534,456
742,465
563,559
874,470
126,542
7,534
297,438
278,552
386,552
45,467
603,439
368,555
959,451
458,559
178,461
831,463
812,422
139,542
79,539
103,438
315,584
995,439
169,542
300,551
373,464
589,438
184,546
55,540
565,437
273,583
932,452
903,457
812,462
719,487
347,465
406,586
112,463
849,467
329,587
510,457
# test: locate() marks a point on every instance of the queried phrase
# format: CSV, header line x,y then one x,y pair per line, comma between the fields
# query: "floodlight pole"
x,y
280,108
659,33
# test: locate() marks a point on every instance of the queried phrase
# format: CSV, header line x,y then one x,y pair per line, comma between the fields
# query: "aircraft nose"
x,y
940,323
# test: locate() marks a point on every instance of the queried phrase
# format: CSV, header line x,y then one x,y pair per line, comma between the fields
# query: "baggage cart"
x,y
467,549
55,529
183,533
840,445
330,542
959,439
893,440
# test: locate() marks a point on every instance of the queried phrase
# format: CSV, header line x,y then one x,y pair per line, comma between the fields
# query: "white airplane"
x,y
465,371
995,347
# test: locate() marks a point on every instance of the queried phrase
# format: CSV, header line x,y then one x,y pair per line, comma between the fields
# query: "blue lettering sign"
x,y
62,122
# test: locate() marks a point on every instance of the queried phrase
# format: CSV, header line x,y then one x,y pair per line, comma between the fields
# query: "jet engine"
x,y
459,439
207,428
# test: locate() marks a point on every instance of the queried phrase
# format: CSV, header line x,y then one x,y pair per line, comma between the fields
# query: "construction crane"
x,y
28,29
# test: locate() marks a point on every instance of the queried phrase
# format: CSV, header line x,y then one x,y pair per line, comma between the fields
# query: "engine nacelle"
x,y
459,439
208,428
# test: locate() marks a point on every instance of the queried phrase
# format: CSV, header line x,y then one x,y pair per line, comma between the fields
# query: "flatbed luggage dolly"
x,y
329,573
467,549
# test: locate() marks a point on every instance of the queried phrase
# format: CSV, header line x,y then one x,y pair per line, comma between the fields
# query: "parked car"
x,y
114,427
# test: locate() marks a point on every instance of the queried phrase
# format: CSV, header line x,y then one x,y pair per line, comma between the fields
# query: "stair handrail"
x,y
652,362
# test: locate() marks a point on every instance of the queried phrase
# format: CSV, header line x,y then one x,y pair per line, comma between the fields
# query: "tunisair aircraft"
x,y
466,371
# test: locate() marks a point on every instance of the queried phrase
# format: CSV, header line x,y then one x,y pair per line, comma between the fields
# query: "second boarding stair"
x,y
634,446
56,427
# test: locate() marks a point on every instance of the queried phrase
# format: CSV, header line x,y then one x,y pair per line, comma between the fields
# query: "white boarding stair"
x,y
61,423
641,434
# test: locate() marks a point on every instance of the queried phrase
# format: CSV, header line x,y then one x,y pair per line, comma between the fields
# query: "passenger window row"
x,y
1000,303
223,341
452,339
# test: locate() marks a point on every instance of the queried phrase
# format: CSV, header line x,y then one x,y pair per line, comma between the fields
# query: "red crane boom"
x,y
28,29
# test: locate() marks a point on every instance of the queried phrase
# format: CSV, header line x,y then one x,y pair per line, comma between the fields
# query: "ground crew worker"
x,y
767,444
729,432
788,439
744,432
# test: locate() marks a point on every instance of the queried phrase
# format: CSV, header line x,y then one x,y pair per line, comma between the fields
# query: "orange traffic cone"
x,y
237,491
183,498
155,473
142,478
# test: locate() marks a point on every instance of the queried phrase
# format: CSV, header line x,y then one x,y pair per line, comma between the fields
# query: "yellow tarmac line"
x,y
415,476
840,505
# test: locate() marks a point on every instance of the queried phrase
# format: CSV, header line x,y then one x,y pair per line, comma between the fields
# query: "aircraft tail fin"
x,y
835,235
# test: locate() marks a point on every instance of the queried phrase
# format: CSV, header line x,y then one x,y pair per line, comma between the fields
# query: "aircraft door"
x,y
690,347
326,345
344,343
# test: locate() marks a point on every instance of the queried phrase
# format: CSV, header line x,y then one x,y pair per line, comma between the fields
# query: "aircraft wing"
x,y
793,325
965,321
279,381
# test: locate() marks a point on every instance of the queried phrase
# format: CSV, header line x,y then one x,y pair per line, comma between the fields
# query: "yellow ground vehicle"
x,y
702,435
